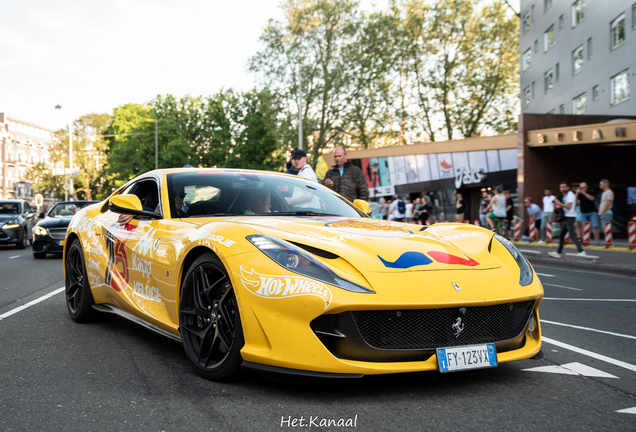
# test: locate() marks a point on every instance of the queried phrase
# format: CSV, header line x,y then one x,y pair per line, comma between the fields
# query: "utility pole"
x,y
300,113
156,145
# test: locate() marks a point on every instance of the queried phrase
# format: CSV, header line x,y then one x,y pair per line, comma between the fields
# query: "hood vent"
x,y
318,252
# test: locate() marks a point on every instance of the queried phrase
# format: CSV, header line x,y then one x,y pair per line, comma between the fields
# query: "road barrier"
x,y
531,235
548,232
586,232
608,234
517,229
631,234
567,237
466,221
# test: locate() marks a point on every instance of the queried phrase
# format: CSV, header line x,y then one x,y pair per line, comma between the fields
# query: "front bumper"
x,y
50,243
11,235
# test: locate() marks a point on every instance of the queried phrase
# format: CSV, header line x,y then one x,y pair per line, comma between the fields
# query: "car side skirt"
x,y
114,310
287,371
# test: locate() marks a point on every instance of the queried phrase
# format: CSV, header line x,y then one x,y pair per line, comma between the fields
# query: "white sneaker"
x,y
554,254
581,254
540,241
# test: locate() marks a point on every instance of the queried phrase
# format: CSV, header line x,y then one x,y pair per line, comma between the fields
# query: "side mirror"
x,y
41,215
363,206
29,215
130,204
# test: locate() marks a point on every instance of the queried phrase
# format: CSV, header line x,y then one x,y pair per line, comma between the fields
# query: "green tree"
x,y
89,154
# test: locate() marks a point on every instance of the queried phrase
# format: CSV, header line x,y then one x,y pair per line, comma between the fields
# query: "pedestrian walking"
x,y
408,214
397,210
346,179
384,207
588,209
607,202
497,208
510,213
548,212
568,205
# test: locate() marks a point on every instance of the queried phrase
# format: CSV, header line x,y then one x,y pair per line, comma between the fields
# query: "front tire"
x,y
22,243
209,320
79,299
39,255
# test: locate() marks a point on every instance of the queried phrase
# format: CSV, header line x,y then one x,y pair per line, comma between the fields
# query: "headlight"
x,y
38,230
11,224
526,270
298,261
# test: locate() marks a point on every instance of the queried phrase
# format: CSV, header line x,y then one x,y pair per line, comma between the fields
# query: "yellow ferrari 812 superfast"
x,y
268,271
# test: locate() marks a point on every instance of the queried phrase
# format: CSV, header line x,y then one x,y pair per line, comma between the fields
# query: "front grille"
x,y
325,324
432,328
57,233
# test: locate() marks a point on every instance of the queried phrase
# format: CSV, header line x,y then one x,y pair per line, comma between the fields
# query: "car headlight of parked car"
x,y
526,271
11,224
38,230
298,261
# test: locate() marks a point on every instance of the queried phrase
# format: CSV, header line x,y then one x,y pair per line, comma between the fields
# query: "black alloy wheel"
x,y
22,242
209,320
79,299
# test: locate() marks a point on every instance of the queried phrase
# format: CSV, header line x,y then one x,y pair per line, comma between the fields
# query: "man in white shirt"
x,y
303,198
299,160
569,207
397,209
548,211
607,202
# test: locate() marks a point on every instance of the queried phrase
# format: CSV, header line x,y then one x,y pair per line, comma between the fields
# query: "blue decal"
x,y
407,260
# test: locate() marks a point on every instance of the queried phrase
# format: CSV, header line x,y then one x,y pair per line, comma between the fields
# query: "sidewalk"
x,y
616,260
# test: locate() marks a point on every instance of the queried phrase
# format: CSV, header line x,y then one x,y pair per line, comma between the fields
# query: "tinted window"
x,y
9,208
147,191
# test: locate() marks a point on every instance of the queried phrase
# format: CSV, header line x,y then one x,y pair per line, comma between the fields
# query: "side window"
x,y
27,208
148,193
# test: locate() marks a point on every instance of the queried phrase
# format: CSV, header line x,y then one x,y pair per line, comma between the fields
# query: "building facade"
x,y
23,145
578,56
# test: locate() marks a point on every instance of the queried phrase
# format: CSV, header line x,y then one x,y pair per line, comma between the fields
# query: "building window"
x,y
578,12
561,109
526,23
551,112
634,16
579,104
549,80
527,59
532,12
589,48
532,89
620,87
548,39
617,32
595,93
547,4
577,60
558,72
526,96
536,46
561,22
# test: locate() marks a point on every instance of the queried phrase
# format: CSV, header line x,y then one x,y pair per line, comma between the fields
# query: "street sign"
x,y
39,200
66,187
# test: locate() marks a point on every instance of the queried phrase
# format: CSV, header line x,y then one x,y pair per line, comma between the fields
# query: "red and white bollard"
x,y
567,237
436,220
477,222
517,229
466,221
631,234
586,232
548,232
428,222
608,234
531,236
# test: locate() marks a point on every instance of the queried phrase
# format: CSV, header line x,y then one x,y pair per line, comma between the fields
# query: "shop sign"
x,y
466,176
382,191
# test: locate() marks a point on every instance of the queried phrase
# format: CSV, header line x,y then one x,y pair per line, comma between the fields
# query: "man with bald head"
x,y
346,179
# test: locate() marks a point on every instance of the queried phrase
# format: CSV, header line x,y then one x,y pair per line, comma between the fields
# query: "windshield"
x,y
9,208
207,193
67,209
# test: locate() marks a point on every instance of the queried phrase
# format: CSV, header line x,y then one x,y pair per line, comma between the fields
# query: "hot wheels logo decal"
x,y
274,286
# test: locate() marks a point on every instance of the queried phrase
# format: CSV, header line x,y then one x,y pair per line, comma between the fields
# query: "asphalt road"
x,y
112,375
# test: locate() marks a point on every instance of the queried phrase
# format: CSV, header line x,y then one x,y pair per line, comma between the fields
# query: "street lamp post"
x,y
70,156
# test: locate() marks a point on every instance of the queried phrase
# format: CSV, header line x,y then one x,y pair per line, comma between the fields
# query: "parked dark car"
x,y
17,219
50,232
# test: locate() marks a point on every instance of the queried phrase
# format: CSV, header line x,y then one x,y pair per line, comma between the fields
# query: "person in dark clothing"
x,y
588,209
346,179
460,206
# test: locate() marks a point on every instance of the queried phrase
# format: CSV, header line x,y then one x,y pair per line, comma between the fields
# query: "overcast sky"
x,y
92,56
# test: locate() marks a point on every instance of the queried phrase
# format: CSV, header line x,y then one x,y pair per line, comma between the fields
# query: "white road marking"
x,y
14,256
601,357
574,368
545,275
588,299
588,329
31,303
631,410
561,286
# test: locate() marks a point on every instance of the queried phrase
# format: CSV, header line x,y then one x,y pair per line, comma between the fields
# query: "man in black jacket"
x,y
346,179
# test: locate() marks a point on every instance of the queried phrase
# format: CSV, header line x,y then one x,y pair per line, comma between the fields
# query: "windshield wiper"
x,y
297,213
214,215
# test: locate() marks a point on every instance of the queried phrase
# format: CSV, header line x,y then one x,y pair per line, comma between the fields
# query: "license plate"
x,y
466,357
60,243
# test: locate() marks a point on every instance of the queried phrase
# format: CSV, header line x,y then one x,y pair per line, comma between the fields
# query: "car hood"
x,y
372,245
49,222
